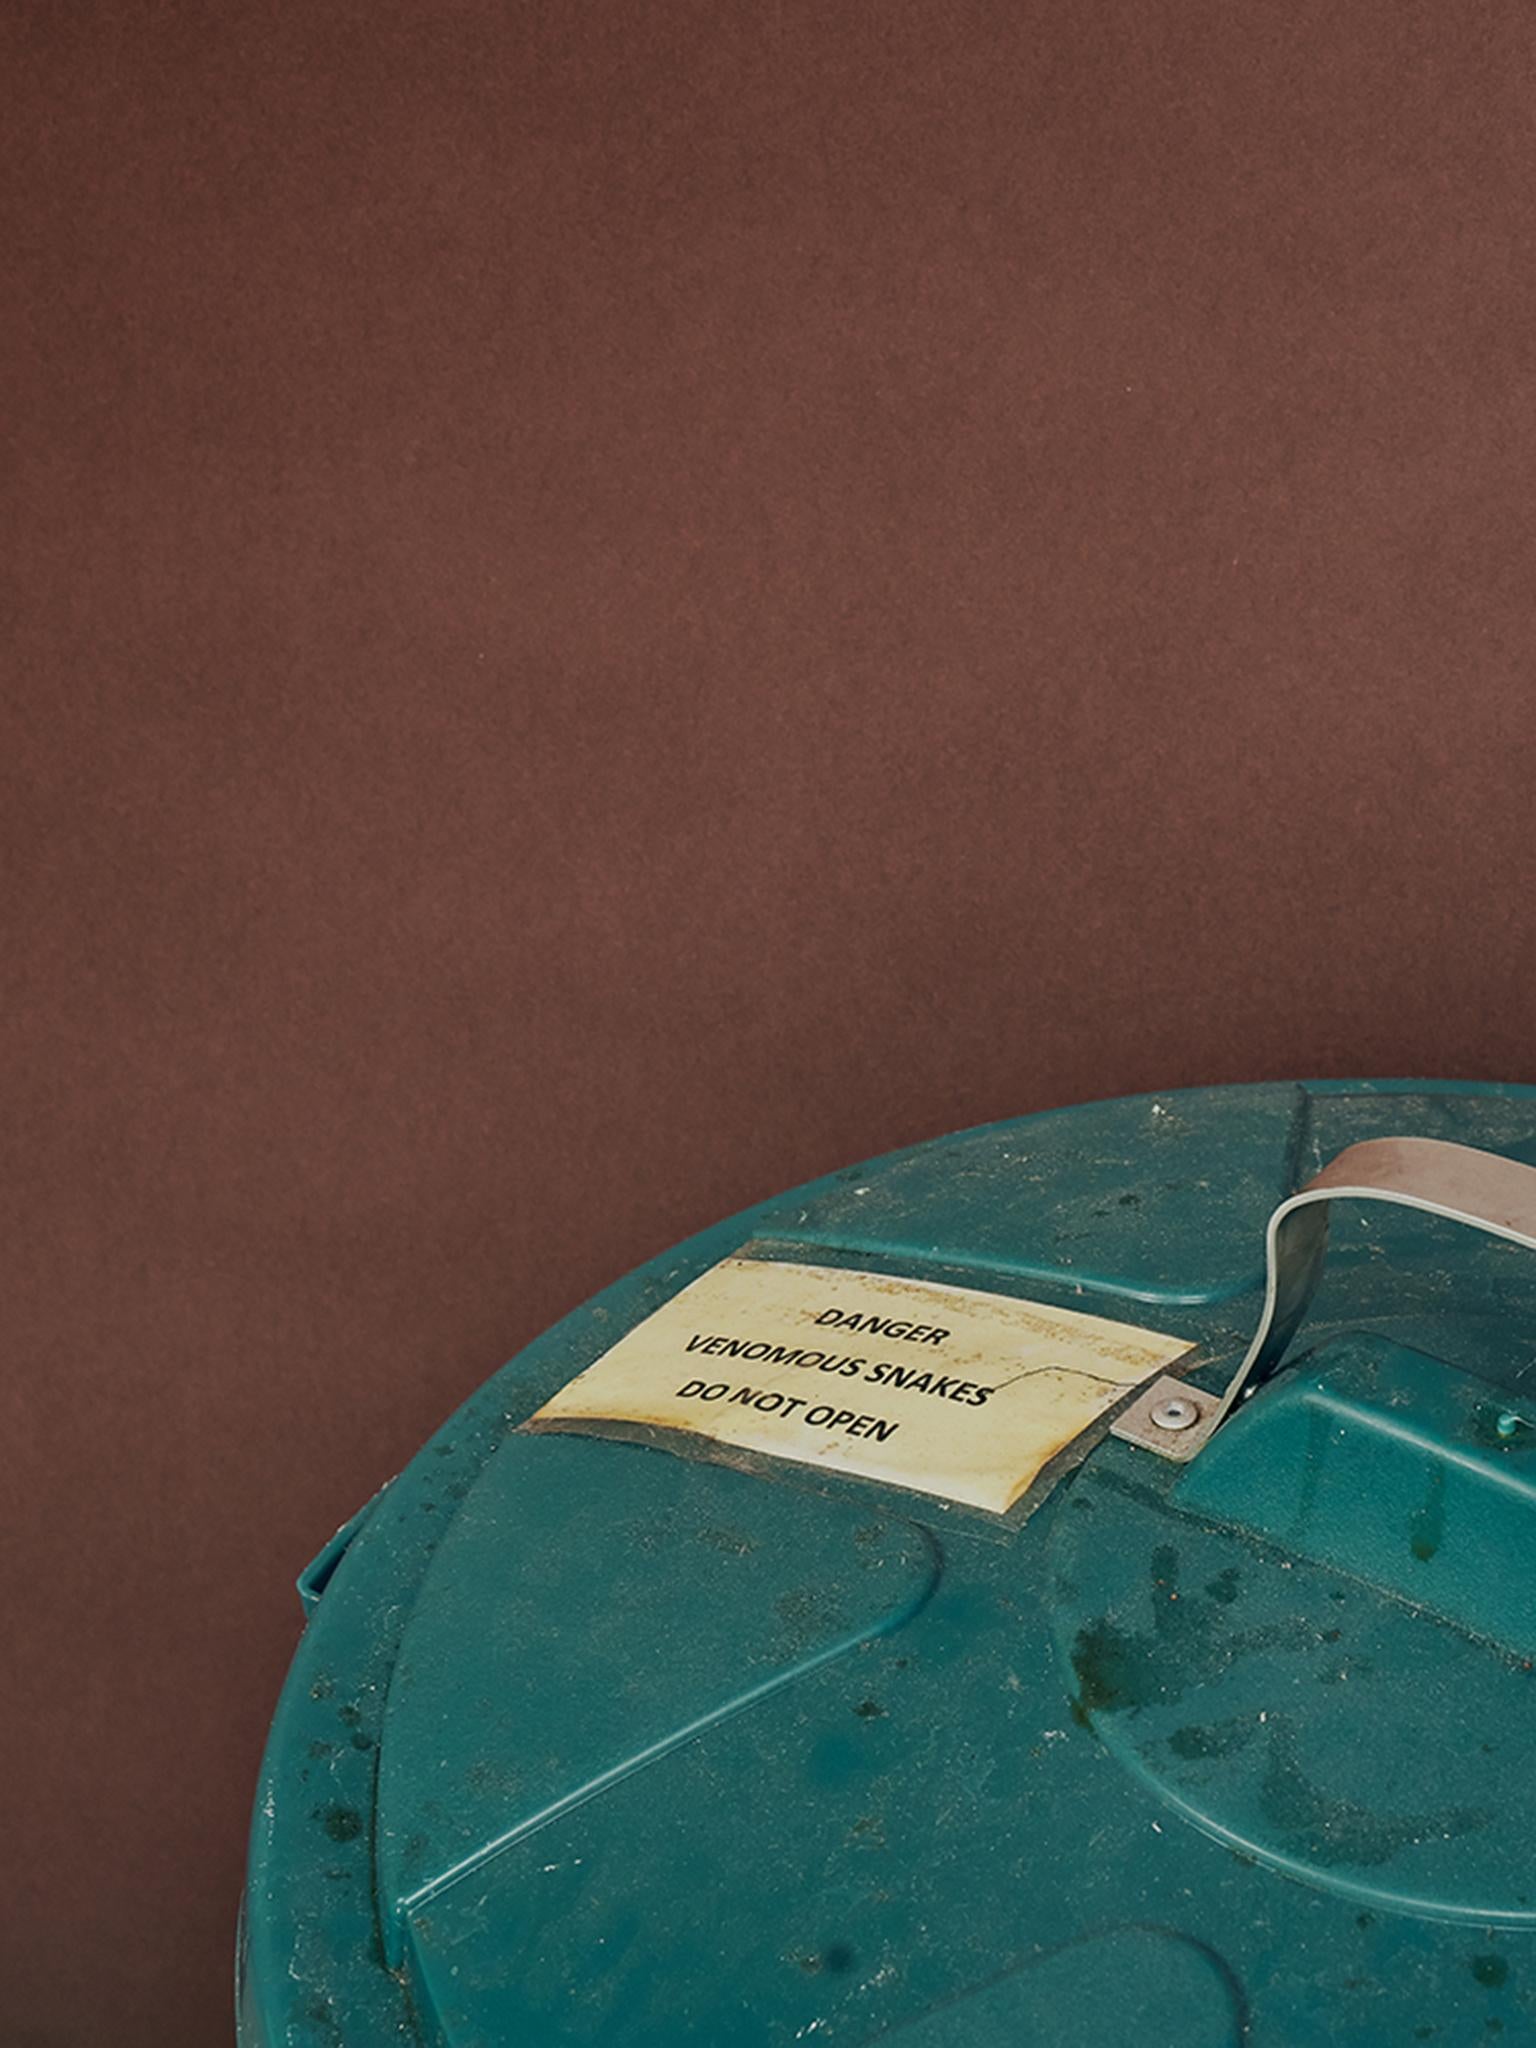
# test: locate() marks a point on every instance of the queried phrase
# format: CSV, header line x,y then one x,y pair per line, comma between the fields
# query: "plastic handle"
x,y
1456,1181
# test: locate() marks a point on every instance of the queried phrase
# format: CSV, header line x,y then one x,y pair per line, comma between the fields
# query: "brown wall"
x,y
616,605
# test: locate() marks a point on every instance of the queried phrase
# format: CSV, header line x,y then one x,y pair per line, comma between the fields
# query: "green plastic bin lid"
x,y
659,1730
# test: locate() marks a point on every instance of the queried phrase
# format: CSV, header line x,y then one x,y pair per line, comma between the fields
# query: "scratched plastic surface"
x,y
590,1743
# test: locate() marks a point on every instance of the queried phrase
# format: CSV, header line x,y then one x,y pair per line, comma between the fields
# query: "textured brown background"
x,y
614,606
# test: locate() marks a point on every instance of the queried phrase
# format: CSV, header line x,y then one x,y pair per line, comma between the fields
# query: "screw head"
x,y
1177,1412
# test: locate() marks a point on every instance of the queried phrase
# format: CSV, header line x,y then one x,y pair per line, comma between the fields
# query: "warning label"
x,y
943,1389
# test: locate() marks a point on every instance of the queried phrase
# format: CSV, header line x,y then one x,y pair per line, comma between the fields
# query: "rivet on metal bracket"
x,y
1169,1417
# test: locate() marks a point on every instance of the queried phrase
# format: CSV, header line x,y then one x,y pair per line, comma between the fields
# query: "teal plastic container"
x,y
632,1738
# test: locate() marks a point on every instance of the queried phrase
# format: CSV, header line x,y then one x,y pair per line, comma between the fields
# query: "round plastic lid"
x,y
600,1740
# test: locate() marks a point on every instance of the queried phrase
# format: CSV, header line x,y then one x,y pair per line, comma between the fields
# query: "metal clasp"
x,y
1481,1189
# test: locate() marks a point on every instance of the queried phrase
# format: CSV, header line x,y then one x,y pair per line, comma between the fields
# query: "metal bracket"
x,y
1481,1189
1169,1417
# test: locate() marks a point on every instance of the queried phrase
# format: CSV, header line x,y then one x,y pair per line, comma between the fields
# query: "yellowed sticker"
x,y
942,1389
